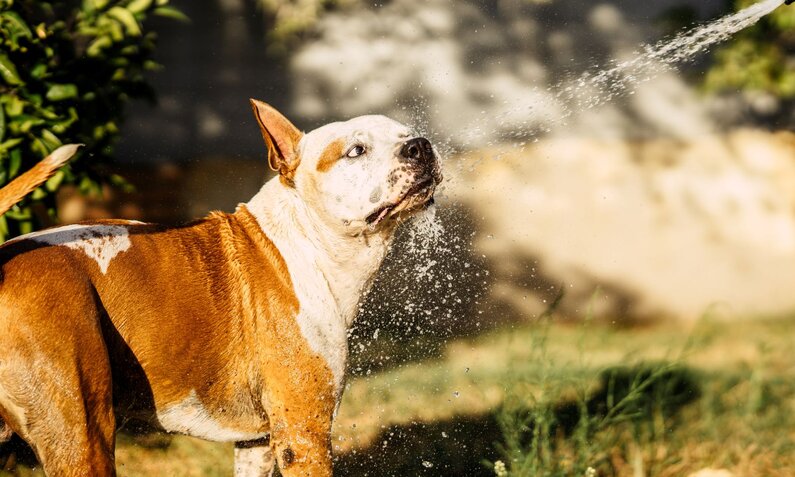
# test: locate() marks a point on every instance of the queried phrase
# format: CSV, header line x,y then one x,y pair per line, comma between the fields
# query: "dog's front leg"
x,y
302,445
301,431
254,459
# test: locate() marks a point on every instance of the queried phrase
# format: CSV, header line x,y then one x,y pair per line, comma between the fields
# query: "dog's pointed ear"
x,y
280,136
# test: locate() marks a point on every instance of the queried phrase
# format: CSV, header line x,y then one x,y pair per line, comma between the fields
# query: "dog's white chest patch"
x,y
101,243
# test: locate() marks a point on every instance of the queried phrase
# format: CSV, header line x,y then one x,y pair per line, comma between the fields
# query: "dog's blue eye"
x,y
356,151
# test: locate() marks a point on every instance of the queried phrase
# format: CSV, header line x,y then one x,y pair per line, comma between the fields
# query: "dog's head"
x,y
359,175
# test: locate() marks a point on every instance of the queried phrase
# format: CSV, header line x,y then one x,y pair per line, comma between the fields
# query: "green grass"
x,y
554,399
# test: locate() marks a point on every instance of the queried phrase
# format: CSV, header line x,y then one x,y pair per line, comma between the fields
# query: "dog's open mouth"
x,y
419,196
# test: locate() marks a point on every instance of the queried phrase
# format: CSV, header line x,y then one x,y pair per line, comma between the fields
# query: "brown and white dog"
x,y
232,328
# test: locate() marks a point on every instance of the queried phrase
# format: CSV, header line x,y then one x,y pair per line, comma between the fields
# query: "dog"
x,y
232,328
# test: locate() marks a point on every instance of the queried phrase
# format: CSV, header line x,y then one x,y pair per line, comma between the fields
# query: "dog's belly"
x,y
194,418
145,399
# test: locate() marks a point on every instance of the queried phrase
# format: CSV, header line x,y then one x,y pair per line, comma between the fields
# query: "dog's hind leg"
x,y
55,382
64,412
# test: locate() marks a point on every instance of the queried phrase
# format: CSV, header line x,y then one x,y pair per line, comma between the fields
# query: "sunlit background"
x,y
604,289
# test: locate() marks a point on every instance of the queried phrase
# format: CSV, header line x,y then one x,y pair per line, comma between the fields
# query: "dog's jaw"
x,y
330,270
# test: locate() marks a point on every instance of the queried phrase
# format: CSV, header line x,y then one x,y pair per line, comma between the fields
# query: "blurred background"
x,y
603,289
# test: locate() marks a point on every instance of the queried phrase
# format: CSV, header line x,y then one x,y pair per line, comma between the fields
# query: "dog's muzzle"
x,y
419,153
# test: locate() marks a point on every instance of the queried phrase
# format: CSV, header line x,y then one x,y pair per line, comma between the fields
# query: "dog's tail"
x,y
36,176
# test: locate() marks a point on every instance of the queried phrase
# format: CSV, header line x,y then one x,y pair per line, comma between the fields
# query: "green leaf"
x,y
62,126
14,105
95,4
15,162
89,187
47,113
150,65
2,124
171,12
25,123
138,6
126,18
54,182
115,29
38,194
50,139
16,25
9,72
60,92
3,228
26,227
121,183
19,214
39,71
5,146
40,147
96,46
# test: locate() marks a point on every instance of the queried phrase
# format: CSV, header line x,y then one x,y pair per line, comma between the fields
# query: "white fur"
x,y
254,461
330,272
192,418
101,243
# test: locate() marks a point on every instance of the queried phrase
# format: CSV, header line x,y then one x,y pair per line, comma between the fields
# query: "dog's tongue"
x,y
382,215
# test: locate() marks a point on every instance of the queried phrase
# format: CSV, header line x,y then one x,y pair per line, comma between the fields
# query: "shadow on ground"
x,y
462,445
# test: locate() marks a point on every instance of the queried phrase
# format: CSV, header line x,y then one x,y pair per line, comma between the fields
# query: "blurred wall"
x,y
212,65
637,229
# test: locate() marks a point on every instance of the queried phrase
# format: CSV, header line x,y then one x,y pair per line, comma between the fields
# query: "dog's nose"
x,y
418,149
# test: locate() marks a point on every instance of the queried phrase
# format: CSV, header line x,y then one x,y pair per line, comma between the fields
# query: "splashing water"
x,y
682,48
594,89
425,232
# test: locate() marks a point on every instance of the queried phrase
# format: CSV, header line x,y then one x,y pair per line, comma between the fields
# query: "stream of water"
x,y
600,86
654,59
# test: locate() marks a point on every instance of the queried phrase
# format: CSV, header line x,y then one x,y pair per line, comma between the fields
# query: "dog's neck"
x,y
347,263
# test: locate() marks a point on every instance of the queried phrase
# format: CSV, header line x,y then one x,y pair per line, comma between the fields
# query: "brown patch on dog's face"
x,y
330,155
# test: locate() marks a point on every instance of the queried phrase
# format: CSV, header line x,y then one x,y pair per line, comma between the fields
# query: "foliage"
x,y
67,69
760,58
291,18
